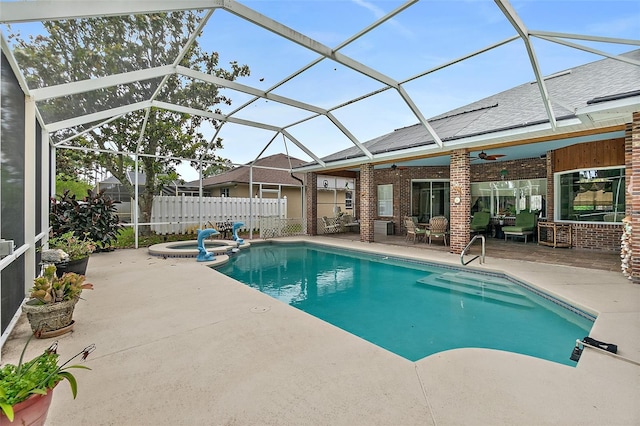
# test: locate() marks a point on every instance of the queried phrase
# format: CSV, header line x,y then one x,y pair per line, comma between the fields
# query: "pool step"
x,y
485,282
490,289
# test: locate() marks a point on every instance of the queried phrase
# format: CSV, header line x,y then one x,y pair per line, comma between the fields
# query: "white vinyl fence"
x,y
182,214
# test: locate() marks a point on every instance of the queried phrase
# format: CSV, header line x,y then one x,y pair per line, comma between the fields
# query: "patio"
x,y
165,357
515,250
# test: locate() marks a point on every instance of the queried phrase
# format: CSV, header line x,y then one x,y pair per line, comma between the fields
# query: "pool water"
x,y
413,309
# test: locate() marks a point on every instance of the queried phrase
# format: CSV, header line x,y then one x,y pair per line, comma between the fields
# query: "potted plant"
x,y
26,389
53,299
77,251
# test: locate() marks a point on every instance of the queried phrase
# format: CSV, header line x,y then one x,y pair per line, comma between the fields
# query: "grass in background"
x,y
126,238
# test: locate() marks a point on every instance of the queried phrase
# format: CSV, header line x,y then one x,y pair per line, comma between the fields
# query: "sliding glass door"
x,y
429,198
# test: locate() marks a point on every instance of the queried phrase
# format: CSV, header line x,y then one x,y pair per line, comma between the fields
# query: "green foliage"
x,y
76,247
93,218
126,239
38,376
74,187
216,169
48,288
82,49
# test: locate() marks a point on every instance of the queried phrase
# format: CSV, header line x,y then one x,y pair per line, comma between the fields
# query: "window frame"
x,y
382,203
558,194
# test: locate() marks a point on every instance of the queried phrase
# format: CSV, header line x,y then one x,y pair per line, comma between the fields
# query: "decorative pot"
x,y
33,411
51,316
79,266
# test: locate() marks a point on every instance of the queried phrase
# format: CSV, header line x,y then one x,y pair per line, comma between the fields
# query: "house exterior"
x,y
503,154
267,177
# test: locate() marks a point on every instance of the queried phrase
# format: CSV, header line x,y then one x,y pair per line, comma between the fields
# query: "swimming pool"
x,y
412,308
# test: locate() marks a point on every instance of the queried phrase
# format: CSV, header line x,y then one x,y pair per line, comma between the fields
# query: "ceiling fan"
x,y
484,156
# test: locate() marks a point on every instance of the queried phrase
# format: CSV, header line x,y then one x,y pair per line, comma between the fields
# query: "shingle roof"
x,y
516,107
260,175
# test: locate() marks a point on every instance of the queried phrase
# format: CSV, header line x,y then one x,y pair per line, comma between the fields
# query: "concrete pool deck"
x,y
178,343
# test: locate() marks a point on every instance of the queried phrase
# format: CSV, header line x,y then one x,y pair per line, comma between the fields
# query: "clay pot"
x,y
31,412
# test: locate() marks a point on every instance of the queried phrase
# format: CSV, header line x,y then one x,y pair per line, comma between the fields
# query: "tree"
x,y
81,49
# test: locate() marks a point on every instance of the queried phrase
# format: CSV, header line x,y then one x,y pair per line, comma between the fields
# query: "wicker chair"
x,y
413,230
438,226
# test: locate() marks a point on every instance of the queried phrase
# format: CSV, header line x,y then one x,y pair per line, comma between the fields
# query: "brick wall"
x,y
550,189
459,188
633,201
368,202
312,203
596,237
528,168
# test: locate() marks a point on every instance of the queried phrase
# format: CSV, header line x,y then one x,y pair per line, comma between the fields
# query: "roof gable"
x,y
261,174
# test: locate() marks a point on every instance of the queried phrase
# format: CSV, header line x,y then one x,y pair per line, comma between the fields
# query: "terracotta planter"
x,y
50,317
32,412
78,266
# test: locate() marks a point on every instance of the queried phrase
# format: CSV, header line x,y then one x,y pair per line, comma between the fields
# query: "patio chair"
x,y
480,222
413,230
330,227
438,226
524,226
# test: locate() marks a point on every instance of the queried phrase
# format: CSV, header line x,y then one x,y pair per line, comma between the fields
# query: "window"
x,y
385,200
348,200
509,197
224,192
593,195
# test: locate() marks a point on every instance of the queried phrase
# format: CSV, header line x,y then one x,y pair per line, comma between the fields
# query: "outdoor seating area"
x,y
525,226
338,224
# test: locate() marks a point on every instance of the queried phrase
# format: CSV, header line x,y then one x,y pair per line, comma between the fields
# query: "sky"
x,y
422,37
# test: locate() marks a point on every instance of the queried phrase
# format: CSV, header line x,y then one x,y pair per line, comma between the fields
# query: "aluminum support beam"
x,y
588,49
89,85
96,116
521,29
54,10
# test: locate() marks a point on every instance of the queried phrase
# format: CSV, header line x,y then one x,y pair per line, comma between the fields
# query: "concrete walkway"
x,y
179,343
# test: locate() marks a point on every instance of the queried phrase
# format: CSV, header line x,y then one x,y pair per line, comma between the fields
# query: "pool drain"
x,y
260,309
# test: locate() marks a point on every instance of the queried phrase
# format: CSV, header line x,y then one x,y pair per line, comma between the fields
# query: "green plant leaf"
x,y
7,410
72,382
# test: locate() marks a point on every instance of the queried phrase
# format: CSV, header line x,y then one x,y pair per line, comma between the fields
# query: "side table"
x,y
554,234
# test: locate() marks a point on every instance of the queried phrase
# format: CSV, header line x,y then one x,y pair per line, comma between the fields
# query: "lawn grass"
x,y
126,238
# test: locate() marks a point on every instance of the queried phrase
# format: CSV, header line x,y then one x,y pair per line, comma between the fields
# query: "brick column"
x,y
632,138
311,196
549,214
368,202
460,188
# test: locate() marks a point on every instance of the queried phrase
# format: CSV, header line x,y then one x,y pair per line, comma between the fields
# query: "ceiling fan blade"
x,y
493,157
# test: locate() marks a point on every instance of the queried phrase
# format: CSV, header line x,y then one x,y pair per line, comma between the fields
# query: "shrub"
x,y
94,217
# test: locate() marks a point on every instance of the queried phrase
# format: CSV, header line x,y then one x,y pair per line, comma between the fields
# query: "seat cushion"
x,y
516,229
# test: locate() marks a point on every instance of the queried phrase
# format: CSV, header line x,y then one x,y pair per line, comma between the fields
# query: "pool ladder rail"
x,y
481,256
